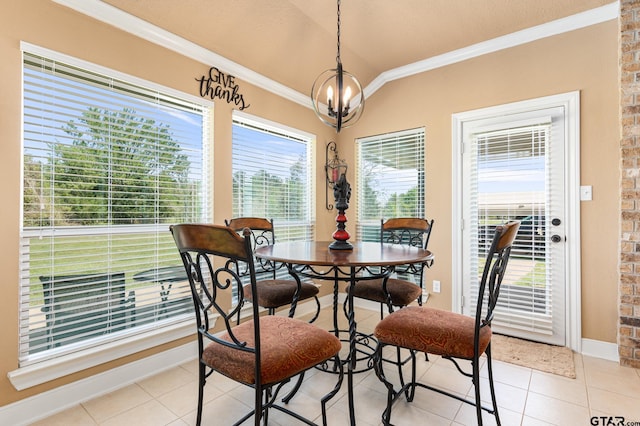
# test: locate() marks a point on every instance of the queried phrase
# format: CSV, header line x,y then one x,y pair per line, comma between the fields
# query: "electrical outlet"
x,y
436,286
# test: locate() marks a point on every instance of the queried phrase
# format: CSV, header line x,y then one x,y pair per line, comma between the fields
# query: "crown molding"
x,y
115,17
140,28
548,29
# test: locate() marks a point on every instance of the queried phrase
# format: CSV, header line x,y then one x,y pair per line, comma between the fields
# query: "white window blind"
x,y
508,182
391,179
272,176
108,165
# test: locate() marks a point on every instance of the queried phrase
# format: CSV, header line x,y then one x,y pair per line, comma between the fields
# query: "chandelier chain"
x,y
338,55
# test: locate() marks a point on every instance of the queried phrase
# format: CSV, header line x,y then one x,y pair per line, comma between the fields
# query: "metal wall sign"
x,y
218,85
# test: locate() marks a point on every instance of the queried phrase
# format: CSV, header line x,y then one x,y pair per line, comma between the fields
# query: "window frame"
x,y
373,234
282,131
53,363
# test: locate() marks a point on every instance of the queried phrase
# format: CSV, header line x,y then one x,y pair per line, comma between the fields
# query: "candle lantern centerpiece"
x,y
341,193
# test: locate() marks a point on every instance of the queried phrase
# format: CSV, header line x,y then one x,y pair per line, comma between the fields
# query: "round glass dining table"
x,y
366,260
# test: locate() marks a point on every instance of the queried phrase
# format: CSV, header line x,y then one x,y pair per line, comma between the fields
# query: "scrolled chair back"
x,y
494,270
411,231
261,234
213,281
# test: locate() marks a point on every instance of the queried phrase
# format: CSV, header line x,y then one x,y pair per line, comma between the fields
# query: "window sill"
x,y
51,369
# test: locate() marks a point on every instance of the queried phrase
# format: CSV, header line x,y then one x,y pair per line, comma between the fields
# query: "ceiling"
x,y
293,41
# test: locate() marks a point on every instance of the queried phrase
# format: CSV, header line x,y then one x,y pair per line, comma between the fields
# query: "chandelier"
x,y
344,95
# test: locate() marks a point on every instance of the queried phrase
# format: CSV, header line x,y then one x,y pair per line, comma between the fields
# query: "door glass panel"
x,y
515,173
511,186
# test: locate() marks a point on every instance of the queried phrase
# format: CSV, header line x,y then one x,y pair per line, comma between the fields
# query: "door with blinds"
x,y
514,169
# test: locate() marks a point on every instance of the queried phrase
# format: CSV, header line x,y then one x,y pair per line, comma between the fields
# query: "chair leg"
x,y
315,317
327,397
491,387
295,389
344,308
476,387
410,393
378,368
400,363
201,383
257,409
264,412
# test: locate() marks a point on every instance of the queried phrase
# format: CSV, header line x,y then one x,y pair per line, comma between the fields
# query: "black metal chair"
x,y
273,291
408,283
264,352
83,306
451,335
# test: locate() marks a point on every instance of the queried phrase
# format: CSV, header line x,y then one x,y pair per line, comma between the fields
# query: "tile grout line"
x,y
124,411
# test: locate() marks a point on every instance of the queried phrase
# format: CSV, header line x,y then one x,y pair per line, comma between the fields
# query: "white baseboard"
x,y
47,403
598,349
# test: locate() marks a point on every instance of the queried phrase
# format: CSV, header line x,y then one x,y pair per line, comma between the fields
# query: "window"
x,y
272,176
390,174
108,164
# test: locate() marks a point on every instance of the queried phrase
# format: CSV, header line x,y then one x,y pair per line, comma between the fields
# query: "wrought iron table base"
x,y
357,340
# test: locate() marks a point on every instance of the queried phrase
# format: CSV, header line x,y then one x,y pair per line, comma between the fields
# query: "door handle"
x,y
556,238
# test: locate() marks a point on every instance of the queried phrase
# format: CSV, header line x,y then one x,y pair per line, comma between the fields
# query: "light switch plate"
x,y
586,193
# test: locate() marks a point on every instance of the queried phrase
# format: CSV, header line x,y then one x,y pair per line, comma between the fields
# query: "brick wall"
x,y
629,324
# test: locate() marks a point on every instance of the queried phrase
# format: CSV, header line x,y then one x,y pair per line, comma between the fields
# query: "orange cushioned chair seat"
x,y
402,292
276,293
432,331
289,346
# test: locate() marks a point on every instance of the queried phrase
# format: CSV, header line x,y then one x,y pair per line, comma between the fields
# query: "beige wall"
x,y
584,60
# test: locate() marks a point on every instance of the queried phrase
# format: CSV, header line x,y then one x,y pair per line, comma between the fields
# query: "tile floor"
x,y
525,396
